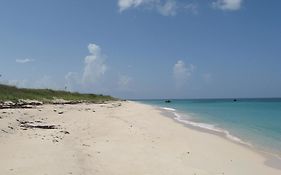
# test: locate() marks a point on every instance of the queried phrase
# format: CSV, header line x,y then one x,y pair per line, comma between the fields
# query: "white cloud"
x,y
23,61
227,4
91,77
164,7
41,83
182,72
18,83
95,67
72,79
91,74
192,7
45,81
169,8
125,4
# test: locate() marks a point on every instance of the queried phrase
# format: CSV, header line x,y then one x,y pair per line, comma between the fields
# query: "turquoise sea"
x,y
254,122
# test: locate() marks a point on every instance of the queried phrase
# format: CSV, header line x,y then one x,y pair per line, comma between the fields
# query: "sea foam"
x,y
206,126
168,109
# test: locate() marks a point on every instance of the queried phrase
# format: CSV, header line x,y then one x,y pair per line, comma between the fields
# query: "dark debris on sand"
x,y
27,124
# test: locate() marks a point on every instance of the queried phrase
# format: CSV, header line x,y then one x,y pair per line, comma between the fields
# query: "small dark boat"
x,y
168,101
235,100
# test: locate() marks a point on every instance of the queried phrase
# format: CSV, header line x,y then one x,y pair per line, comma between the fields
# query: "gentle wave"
x,y
168,109
206,126
211,128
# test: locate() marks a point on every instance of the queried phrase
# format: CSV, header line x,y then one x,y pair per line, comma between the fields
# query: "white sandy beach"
x,y
121,138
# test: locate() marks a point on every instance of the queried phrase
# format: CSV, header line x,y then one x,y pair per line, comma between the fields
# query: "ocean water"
x,y
254,122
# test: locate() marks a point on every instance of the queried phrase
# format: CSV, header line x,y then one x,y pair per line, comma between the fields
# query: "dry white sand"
x,y
131,139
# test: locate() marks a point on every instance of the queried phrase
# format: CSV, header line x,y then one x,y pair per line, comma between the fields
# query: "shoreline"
x,y
121,138
273,159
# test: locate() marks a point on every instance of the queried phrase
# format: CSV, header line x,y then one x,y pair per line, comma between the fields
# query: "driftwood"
x,y
28,124
38,126
4,131
20,104
63,102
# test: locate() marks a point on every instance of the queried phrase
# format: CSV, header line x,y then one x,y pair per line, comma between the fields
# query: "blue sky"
x,y
143,48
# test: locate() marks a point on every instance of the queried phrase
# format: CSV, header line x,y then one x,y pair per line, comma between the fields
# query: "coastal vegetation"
x,y
14,94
